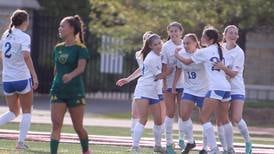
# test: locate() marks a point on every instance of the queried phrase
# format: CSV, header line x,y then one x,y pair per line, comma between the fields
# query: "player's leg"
x,y
143,106
169,99
14,109
58,110
186,108
225,130
26,105
134,116
178,103
155,109
12,102
209,107
77,116
237,106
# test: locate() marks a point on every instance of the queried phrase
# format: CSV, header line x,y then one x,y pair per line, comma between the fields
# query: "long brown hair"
x,y
146,49
78,25
212,33
17,18
194,38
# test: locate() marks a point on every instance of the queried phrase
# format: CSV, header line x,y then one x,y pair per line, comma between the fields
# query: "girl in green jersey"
x,y
67,90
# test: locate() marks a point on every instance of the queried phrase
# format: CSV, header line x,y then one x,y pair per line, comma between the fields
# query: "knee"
x,y
56,125
79,129
235,120
185,116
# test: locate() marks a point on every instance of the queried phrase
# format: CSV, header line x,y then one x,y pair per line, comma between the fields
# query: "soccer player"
x,y
233,67
67,91
19,76
146,94
175,31
219,92
195,89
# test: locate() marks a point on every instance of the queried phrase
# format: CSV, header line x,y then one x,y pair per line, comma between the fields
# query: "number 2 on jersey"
x,y
8,47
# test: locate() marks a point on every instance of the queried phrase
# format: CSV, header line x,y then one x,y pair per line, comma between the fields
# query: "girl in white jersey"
x,y
133,76
195,89
146,94
234,66
219,88
19,77
175,32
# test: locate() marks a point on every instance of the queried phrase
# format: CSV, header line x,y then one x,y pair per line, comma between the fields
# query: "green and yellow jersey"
x,y
65,61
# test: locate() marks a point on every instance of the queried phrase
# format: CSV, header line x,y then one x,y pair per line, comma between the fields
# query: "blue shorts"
x,y
220,95
151,101
237,97
17,87
196,99
161,97
178,90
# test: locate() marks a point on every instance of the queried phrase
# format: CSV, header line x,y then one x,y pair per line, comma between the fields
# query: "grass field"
x,y
7,146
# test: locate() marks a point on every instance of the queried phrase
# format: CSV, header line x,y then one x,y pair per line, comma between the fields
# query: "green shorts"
x,y
70,102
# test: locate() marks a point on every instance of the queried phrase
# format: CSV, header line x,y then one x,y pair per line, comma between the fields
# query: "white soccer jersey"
x,y
216,78
196,82
168,57
12,45
146,85
234,59
140,64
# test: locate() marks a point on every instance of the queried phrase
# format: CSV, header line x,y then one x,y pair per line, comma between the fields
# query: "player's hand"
x,y
35,83
173,91
122,82
177,50
66,78
219,65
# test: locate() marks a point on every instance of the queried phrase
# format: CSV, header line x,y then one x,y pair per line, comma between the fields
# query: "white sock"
x,y
169,125
210,135
181,129
204,142
221,134
188,130
228,129
163,128
157,135
138,132
243,130
24,126
133,123
6,117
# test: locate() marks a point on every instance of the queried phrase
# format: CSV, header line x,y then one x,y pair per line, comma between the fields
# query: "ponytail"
x,y
11,25
17,18
220,51
77,24
212,33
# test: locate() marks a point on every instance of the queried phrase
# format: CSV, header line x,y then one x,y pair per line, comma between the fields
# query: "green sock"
x,y
84,144
54,146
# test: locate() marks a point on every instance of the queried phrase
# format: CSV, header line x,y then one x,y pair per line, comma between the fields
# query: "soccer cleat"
x,y
189,146
87,152
21,146
229,151
248,148
203,151
135,150
214,151
182,144
170,149
159,149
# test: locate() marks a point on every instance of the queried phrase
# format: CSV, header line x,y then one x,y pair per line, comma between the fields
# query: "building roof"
x,y
30,4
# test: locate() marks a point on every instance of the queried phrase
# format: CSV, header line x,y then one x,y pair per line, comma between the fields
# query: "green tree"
x,y
129,19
